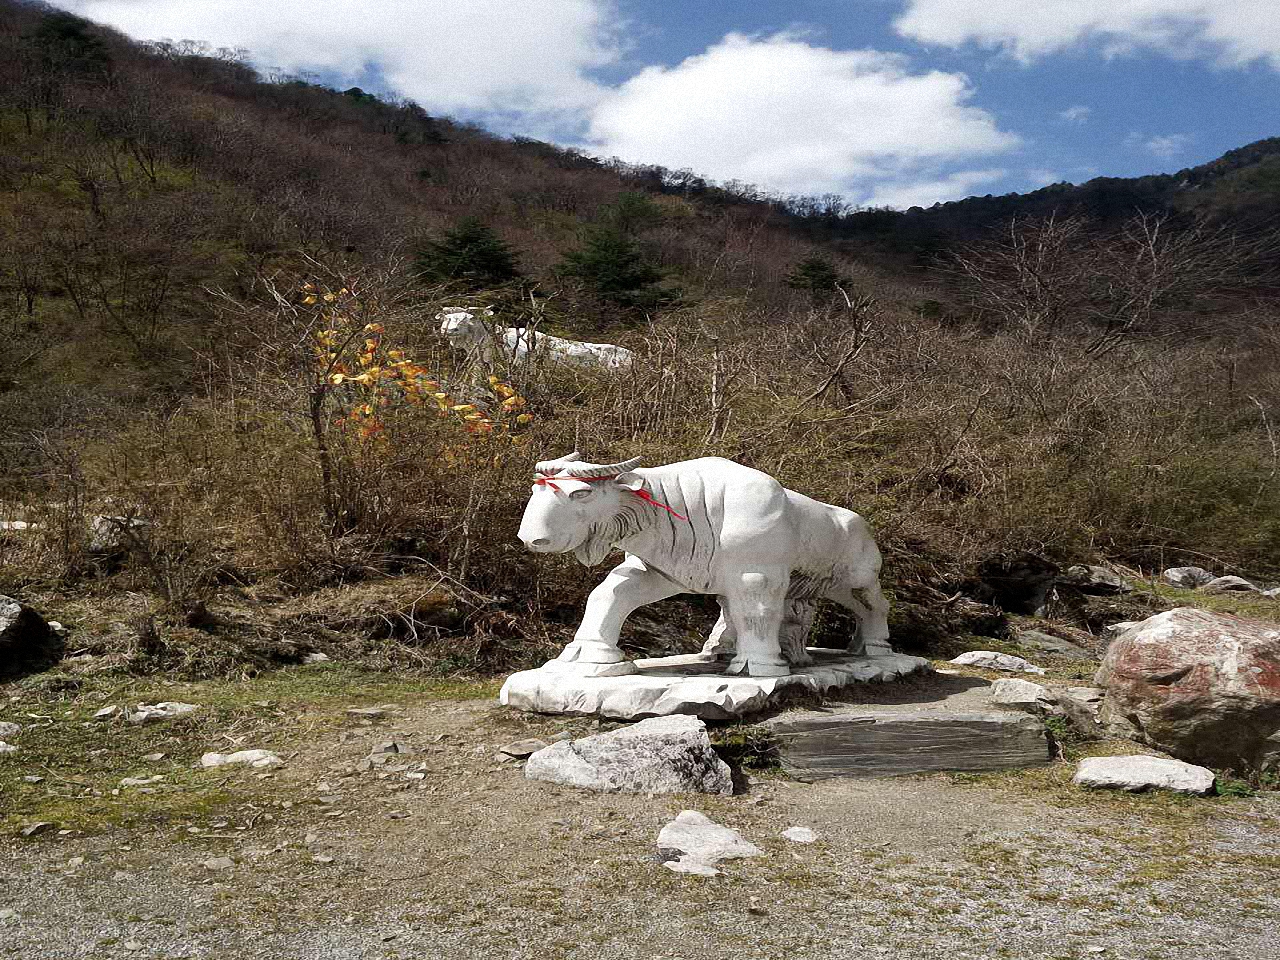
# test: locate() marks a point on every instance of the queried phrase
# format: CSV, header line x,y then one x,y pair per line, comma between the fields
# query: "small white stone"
x,y
219,863
253,758
7,748
702,844
316,658
106,713
154,712
800,835
9,731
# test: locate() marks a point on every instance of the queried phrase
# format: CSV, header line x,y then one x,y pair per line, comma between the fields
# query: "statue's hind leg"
x,y
723,639
872,610
793,635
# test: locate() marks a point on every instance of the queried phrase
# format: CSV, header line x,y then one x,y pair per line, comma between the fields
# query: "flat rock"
x,y
1048,643
1229,585
1141,773
1025,696
660,755
991,660
1187,577
698,844
694,685
252,758
815,746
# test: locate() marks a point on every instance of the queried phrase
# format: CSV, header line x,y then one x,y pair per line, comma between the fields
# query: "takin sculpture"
x,y
708,526
481,339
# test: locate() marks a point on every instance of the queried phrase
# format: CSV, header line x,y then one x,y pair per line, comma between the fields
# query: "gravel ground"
x,y
470,859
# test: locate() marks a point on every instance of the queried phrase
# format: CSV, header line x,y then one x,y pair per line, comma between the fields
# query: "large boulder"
x,y
27,643
660,755
1204,687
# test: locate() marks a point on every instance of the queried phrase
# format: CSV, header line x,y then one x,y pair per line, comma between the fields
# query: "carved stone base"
x,y
694,684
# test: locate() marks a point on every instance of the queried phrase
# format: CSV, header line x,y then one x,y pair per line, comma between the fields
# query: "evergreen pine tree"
x,y
471,252
612,264
816,275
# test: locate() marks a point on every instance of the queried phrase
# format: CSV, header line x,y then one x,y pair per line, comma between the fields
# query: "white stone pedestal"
x,y
693,684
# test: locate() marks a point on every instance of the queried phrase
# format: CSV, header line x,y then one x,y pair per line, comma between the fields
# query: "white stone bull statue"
x,y
478,337
707,526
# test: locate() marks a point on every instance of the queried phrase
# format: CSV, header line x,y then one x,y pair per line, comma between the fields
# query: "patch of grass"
x,y
1249,605
747,746
81,761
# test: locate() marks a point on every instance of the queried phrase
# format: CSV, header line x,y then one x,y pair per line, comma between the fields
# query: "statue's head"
x,y
461,325
579,506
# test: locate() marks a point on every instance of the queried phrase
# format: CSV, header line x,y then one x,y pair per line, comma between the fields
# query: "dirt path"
x,y
472,860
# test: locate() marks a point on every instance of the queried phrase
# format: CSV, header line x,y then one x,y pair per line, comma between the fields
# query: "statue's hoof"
x,y
578,668
758,668
880,649
590,651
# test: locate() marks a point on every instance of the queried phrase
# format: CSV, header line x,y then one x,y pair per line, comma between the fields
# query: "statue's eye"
x,y
580,494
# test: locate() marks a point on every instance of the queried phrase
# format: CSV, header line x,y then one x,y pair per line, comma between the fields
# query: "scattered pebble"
x,y
9,731
155,712
219,863
253,758
37,828
799,834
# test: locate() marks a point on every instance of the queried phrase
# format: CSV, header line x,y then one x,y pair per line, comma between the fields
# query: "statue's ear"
x,y
631,480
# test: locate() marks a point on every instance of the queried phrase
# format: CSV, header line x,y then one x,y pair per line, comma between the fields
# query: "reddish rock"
x,y
1202,686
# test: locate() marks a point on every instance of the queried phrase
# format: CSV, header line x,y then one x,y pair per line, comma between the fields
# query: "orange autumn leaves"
x,y
371,377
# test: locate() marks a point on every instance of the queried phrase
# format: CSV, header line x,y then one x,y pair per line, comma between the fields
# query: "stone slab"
x,y
694,684
816,745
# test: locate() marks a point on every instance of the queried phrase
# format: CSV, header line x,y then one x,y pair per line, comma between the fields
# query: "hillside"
x,y
1243,185
218,292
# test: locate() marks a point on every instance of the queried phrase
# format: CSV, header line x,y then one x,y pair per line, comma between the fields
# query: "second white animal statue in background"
x,y
477,335
707,526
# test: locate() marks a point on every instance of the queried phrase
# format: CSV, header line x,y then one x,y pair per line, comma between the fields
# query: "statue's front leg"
x,y
629,586
757,601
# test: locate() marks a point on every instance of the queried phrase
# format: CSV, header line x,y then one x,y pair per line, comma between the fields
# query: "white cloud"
x,y
1164,147
451,55
1233,32
1078,114
925,193
786,115
1041,177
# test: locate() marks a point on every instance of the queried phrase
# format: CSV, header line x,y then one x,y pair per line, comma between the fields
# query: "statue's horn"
x,y
604,469
552,466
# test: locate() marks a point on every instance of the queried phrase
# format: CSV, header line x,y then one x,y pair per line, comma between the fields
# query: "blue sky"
x,y
886,102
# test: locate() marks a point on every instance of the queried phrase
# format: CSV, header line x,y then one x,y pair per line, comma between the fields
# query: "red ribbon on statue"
x,y
642,493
